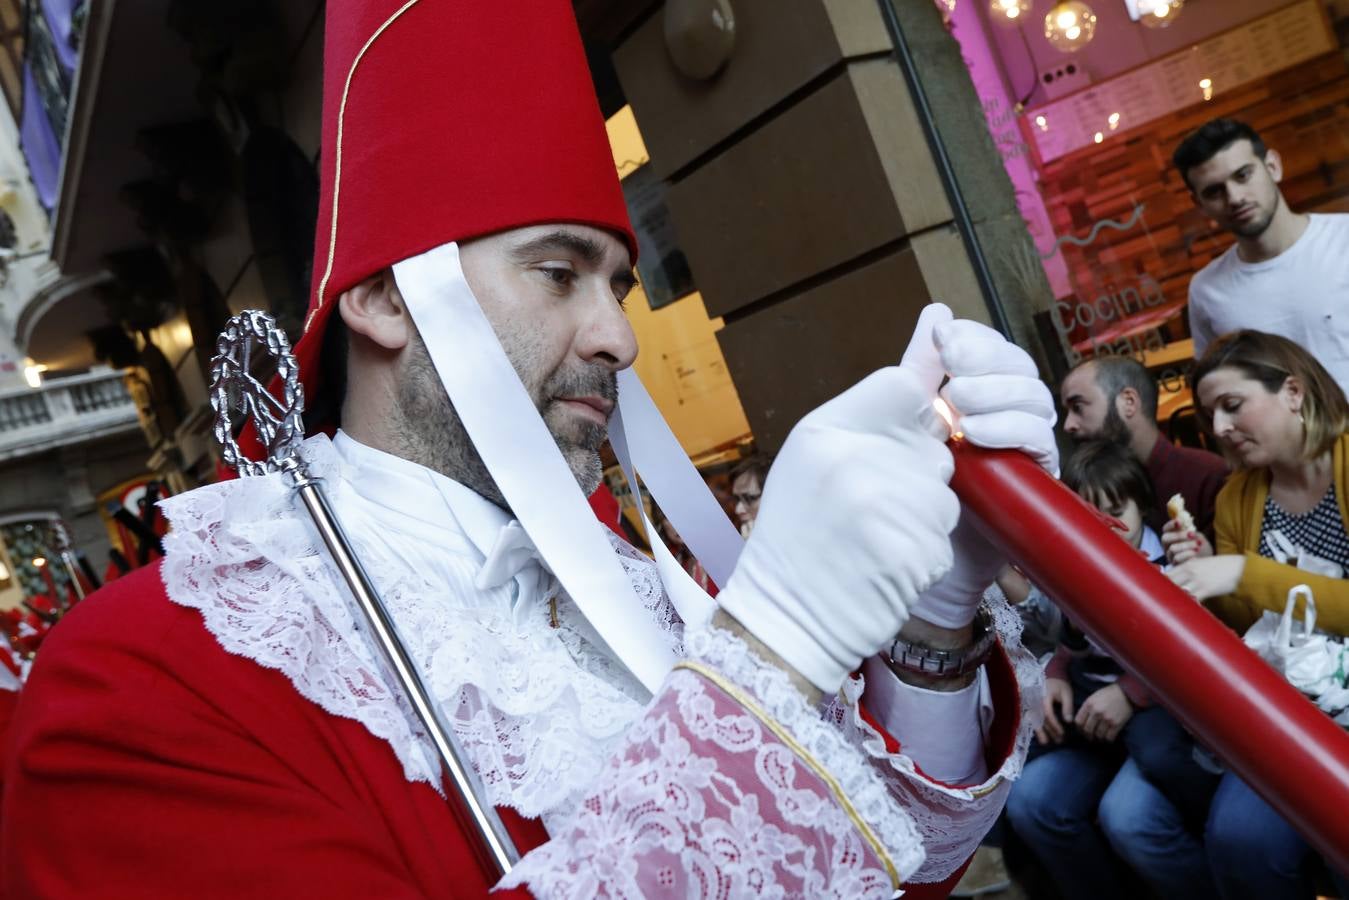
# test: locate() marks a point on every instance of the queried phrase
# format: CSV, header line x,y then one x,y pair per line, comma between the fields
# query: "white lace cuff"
x,y
730,785
953,818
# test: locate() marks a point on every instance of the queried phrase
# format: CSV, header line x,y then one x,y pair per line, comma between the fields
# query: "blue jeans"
x,y
1066,790
1148,832
1052,807
1254,852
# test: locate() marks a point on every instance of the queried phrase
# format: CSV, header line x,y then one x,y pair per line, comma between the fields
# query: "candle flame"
x,y
939,406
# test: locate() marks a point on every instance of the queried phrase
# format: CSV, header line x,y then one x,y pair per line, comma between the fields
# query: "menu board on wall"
x,y
1259,48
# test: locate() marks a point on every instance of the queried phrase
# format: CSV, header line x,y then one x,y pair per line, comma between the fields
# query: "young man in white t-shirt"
x,y
1288,273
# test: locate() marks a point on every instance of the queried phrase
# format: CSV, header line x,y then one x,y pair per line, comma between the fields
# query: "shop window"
x,y
1117,232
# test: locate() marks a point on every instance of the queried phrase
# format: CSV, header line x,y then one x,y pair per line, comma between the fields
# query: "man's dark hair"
x,y
1108,470
1115,373
757,463
1212,138
323,408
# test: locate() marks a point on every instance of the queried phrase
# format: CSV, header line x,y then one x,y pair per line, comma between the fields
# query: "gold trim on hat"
x,y
337,172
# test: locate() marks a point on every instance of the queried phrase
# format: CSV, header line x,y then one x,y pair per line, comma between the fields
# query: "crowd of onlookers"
x,y
1117,798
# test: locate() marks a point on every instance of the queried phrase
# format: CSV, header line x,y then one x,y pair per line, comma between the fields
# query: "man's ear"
x,y
375,309
1274,162
1127,403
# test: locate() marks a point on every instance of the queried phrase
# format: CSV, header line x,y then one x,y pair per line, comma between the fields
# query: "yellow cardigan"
x,y
1265,583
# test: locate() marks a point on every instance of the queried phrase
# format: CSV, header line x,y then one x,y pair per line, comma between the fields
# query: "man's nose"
x,y
606,335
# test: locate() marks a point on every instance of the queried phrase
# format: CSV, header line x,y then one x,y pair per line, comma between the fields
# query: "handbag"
x,y
1317,664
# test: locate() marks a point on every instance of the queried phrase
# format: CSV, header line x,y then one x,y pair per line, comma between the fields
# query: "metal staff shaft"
x,y
72,570
279,428
501,852
67,555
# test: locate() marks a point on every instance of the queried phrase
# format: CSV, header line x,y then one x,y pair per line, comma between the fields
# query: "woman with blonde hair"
x,y
1280,521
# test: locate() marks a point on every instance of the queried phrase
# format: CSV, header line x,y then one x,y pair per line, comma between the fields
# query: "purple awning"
x,y
41,146
57,14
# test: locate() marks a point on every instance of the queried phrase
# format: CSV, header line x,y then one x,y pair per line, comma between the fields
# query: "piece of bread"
x,y
1175,508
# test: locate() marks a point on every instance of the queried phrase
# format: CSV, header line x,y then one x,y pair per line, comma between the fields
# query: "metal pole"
x,y
280,430
964,224
501,851
62,535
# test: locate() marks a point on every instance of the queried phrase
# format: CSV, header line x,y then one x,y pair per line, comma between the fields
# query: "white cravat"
x,y
418,517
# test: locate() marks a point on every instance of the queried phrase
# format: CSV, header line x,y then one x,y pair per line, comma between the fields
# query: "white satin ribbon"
x,y
694,605
536,481
524,460
673,480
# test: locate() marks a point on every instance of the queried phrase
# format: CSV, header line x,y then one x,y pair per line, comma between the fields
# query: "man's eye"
x,y
557,275
1231,407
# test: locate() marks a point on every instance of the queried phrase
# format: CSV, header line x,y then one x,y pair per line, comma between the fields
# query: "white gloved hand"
x,y
1000,402
852,525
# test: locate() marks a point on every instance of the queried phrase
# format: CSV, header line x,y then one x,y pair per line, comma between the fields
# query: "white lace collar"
x,y
537,700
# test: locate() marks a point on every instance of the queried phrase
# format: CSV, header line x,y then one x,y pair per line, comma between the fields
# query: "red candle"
x,y
1285,748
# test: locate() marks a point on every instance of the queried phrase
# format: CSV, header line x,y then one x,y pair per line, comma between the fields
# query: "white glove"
x,y
852,526
1000,402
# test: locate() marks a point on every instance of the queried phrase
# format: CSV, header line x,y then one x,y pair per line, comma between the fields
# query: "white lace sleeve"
x,y
729,785
954,818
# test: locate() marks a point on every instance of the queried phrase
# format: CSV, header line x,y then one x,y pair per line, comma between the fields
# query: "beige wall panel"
x,y
858,26
885,102
778,48
801,195
948,274
796,354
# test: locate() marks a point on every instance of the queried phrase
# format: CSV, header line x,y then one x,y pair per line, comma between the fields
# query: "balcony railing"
x,y
64,411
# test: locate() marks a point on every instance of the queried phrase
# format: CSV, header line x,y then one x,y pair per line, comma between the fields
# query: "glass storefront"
x,y
1086,128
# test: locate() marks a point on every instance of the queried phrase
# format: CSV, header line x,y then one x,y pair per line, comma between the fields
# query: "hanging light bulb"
x,y
1008,10
1070,26
1159,13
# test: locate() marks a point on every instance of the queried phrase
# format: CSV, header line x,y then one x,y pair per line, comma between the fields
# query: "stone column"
x,y
805,193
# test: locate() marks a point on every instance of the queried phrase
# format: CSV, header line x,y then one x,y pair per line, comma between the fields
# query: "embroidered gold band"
x,y
781,733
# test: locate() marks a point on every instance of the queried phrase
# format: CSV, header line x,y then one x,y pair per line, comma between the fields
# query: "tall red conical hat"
x,y
445,120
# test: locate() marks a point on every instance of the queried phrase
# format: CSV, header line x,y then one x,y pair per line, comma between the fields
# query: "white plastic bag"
x,y
1316,664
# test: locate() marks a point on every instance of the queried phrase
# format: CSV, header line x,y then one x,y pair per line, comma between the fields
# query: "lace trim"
x,y
702,802
860,782
952,820
538,707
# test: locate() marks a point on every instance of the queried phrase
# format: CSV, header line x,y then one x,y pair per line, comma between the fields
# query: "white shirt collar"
x,y
402,489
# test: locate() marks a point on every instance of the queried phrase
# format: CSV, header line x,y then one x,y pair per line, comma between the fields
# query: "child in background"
x,y
1104,746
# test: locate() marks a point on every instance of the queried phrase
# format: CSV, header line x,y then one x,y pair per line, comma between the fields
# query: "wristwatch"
x,y
913,657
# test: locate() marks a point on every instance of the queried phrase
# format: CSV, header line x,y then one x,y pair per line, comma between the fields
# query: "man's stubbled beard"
x,y
428,430
1113,428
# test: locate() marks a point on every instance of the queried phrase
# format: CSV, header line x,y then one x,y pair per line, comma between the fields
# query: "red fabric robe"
x,y
145,761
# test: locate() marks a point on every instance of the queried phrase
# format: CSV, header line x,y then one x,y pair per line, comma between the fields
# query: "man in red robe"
x,y
216,725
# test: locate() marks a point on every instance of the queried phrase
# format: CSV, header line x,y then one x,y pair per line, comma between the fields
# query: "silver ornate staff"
x,y
280,430
61,538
